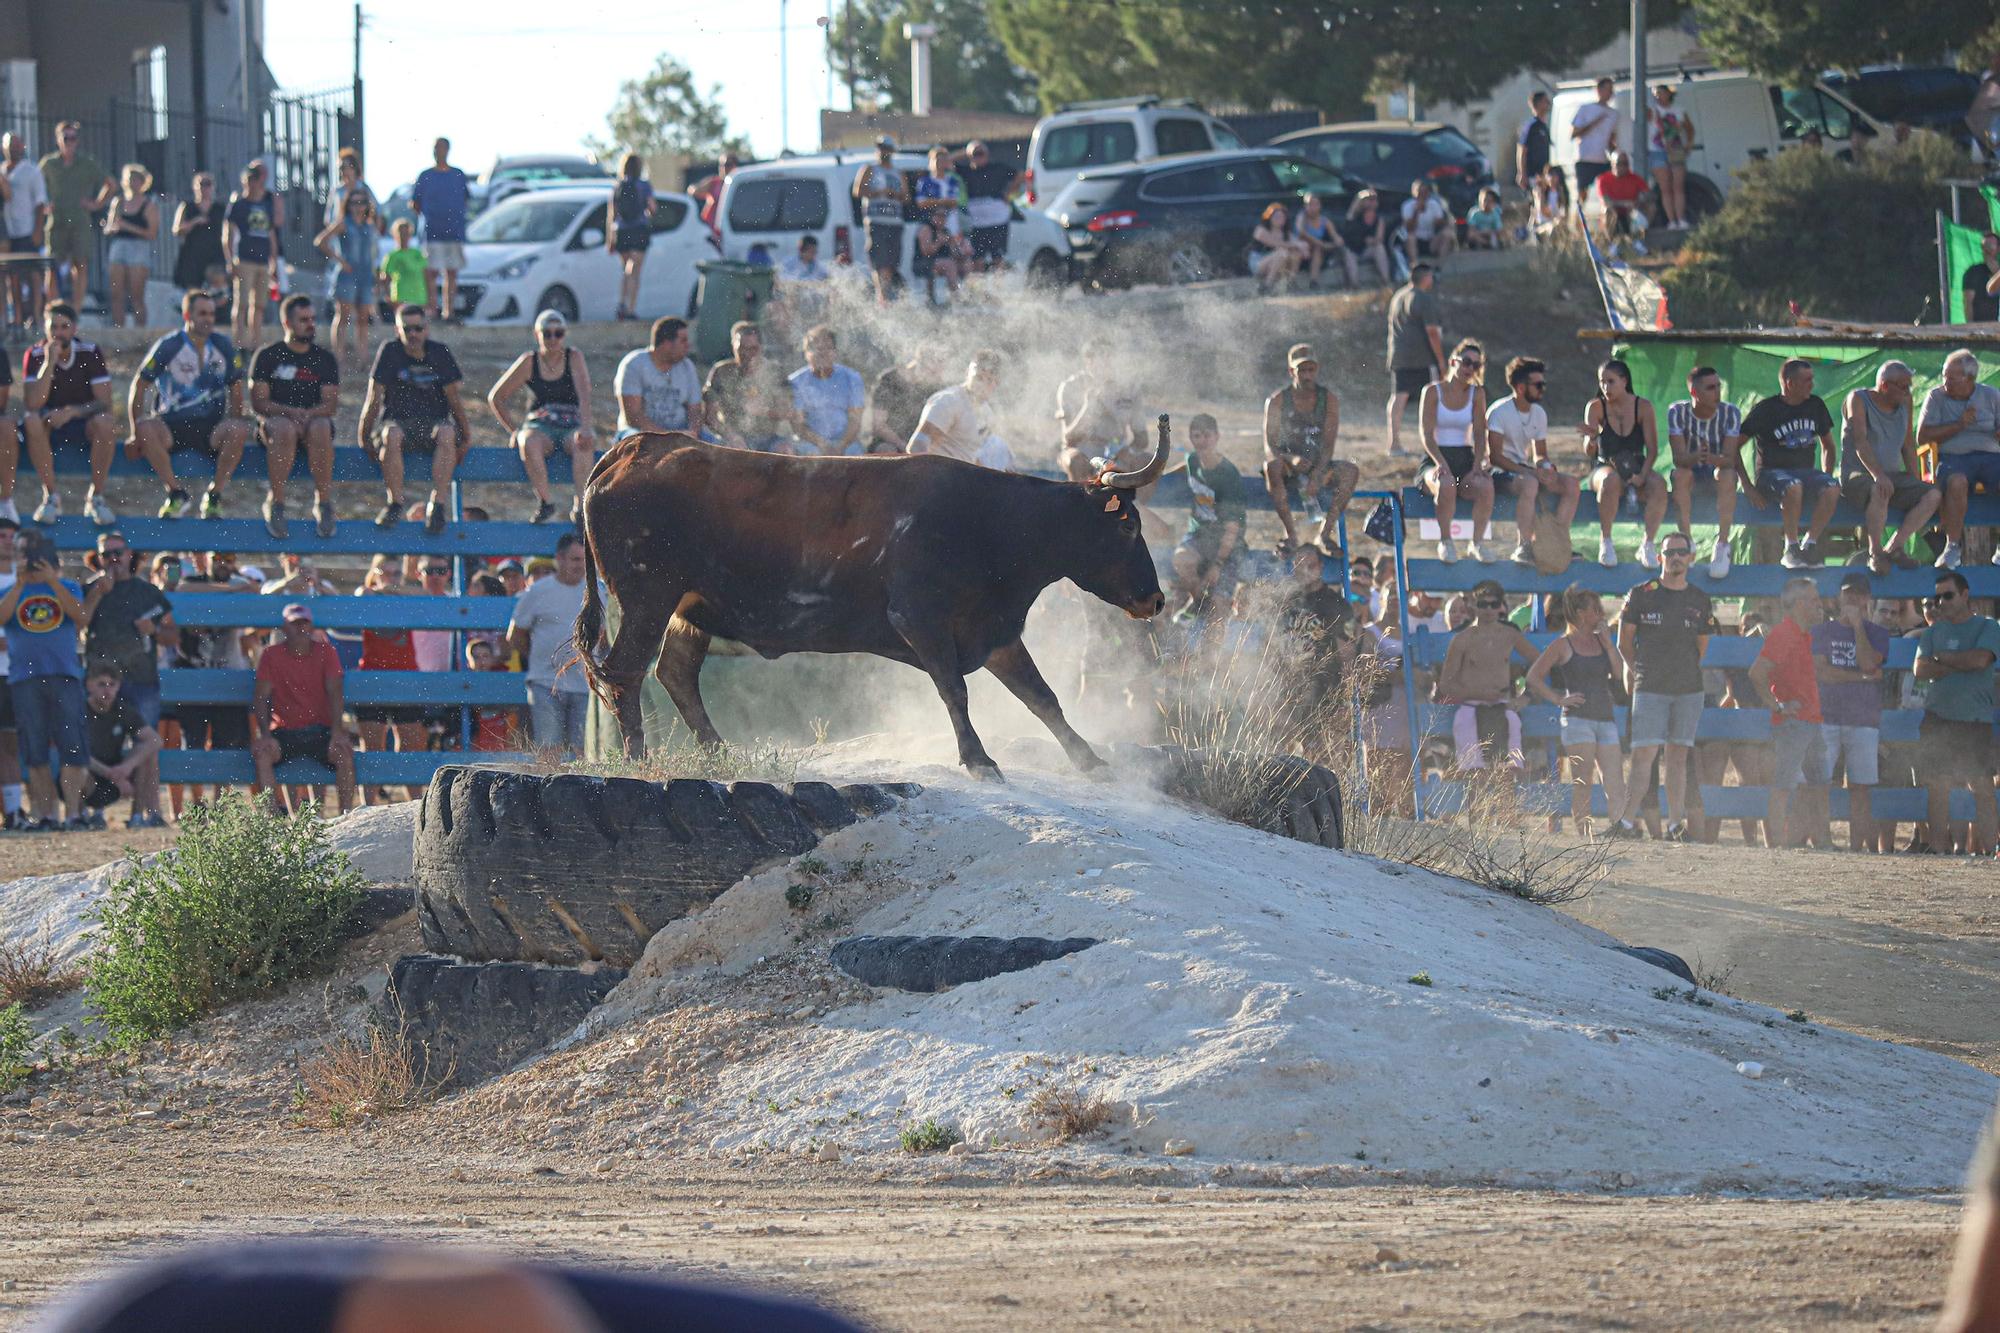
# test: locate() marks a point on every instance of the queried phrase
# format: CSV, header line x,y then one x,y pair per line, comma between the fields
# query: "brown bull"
x,y
923,560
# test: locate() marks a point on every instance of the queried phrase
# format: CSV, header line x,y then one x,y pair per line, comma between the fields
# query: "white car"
x,y
544,250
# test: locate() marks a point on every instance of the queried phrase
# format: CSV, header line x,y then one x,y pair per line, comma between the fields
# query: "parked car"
x,y
509,176
1089,136
1929,97
1186,218
773,204
1738,119
544,250
1392,155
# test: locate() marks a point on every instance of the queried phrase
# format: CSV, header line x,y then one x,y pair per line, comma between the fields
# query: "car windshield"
x,y
523,222
551,171
1448,145
1295,173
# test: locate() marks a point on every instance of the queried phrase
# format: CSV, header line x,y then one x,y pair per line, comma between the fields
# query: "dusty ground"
x,y
24,854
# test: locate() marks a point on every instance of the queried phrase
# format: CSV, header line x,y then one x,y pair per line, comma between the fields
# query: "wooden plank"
x,y
480,689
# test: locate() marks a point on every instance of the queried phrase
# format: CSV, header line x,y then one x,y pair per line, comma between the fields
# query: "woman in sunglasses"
x,y
1452,418
1575,673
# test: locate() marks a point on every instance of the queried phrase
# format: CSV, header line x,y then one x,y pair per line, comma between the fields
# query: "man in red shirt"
x,y
1619,191
1785,672
297,708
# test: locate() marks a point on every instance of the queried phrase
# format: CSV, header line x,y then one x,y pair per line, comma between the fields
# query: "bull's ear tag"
x,y
1111,505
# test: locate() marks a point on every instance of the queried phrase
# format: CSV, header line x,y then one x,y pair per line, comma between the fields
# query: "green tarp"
x,y
1962,250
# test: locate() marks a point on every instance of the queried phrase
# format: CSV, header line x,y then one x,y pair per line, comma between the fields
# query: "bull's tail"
x,y
590,620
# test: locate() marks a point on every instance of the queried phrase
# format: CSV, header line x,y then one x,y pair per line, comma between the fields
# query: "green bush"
x,y
244,902
1845,241
931,1135
16,1038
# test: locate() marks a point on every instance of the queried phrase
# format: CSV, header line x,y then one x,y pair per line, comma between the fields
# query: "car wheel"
x,y
1045,271
1187,262
1704,201
561,300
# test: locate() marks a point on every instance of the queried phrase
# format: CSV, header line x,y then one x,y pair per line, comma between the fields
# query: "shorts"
x,y
632,240
214,726
1860,746
1426,247
1798,756
1458,457
1480,729
192,432
444,256
885,244
1666,719
1775,481
1578,732
559,426
251,287
1977,469
1948,751
354,288
1704,475
1626,465
989,244
129,251
1411,380
1205,544
74,434
24,245
1587,174
417,435
303,743
1910,490
70,239
6,706
1508,481
48,717
144,697
102,794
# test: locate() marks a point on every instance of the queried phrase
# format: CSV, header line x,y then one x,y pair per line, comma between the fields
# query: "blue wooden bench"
x,y
1443,797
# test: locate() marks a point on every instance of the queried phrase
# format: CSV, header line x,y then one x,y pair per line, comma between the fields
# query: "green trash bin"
x,y
730,290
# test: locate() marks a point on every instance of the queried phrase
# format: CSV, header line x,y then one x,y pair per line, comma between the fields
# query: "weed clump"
x,y
16,1041
246,901
930,1135
33,974
1068,1112
351,1078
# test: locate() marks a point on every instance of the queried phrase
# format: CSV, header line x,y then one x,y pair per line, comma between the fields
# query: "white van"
x,y
773,204
1087,136
1738,119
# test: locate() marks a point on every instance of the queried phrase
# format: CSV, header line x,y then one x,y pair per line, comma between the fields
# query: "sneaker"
x,y
576,513
324,518
8,511
274,518
1793,558
1607,554
1447,552
1810,552
1478,551
75,824
434,517
211,503
1398,451
1718,559
176,503
1649,553
1677,831
50,508
1953,557
99,511
1522,555
1623,830
544,511
389,515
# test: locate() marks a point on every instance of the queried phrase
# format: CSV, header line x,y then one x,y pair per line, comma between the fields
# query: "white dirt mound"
x,y
1252,998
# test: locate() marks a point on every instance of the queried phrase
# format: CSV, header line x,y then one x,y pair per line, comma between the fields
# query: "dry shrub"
x,y
682,757
1068,1112
379,1073
31,975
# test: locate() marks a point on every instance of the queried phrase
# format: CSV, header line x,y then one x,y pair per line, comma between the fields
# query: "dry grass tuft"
x,y
353,1078
1068,1112
31,975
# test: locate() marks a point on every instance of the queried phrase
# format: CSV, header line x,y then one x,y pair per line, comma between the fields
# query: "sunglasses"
x,y
1945,597
1485,605
1677,552
432,570
554,332
1469,362
1538,384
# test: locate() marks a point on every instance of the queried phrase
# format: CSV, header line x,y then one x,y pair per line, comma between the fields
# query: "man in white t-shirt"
x,y
27,206
958,421
543,633
1706,436
1595,129
1428,229
1517,434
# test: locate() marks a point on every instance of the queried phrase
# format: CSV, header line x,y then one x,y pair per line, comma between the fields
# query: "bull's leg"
x,y
938,656
624,667
1012,667
680,672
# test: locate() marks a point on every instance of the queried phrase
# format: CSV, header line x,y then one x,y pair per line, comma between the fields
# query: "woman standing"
x,y
349,241
1670,134
558,384
1575,673
1452,414
130,226
628,226
198,227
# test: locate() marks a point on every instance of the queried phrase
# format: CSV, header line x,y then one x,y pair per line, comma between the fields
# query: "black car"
x,y
1391,155
1186,218
1929,97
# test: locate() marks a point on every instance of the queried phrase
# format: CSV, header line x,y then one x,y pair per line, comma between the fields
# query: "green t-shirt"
x,y
1962,696
1215,497
405,270
68,183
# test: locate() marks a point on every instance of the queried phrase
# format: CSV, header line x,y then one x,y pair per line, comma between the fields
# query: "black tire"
x,y
1671,962
1280,794
561,300
466,1022
569,869
1046,271
927,964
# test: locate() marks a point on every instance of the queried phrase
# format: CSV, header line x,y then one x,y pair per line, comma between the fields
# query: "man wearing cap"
x,y
1848,653
884,191
513,575
1301,429
296,710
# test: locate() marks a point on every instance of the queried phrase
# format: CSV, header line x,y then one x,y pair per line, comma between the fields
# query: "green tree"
x,y
666,113
971,69
1793,40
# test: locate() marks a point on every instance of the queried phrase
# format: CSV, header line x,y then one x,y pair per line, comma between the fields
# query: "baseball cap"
x,y
885,142
509,563
1300,354
1855,580
298,611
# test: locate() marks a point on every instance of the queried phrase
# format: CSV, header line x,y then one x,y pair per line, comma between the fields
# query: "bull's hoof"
x,y
986,772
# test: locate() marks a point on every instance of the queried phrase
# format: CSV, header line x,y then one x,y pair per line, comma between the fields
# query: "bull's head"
x,y
1117,566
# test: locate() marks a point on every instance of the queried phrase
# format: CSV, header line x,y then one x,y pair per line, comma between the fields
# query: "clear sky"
x,y
515,76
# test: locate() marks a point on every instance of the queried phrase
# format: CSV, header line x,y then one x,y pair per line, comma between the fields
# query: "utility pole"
x,y
784,88
360,123
1635,147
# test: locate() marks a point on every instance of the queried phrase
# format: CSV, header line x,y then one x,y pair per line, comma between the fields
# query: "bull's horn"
x,y
1147,475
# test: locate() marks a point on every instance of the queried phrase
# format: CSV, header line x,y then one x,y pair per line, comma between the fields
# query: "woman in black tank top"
x,y
558,385
1575,673
1621,436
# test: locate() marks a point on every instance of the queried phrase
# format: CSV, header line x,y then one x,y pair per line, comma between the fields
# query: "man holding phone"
x,y
43,614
